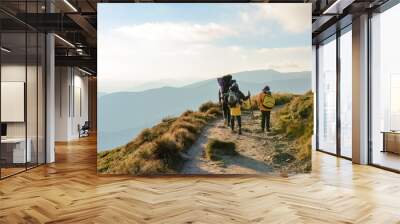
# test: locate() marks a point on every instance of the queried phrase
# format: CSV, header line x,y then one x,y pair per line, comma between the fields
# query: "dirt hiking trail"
x,y
255,149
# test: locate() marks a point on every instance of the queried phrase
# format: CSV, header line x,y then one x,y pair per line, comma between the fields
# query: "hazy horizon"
x,y
124,86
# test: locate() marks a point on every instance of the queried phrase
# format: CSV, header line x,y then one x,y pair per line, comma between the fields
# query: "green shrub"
x,y
215,149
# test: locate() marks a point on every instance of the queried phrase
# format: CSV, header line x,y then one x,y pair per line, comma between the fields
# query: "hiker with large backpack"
x,y
235,97
265,103
224,83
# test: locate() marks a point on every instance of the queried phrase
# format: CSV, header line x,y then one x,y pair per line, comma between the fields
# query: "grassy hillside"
x,y
162,148
295,121
158,149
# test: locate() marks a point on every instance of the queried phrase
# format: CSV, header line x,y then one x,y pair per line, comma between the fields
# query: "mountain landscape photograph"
x,y
221,94
174,100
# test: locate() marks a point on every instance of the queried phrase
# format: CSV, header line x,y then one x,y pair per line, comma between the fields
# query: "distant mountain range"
x,y
122,115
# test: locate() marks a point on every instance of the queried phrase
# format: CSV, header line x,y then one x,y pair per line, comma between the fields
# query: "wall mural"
x,y
204,89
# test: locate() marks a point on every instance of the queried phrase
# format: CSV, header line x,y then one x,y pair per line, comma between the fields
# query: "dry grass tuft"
x,y
216,149
208,105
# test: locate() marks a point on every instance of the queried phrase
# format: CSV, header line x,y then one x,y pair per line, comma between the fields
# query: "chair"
x,y
84,130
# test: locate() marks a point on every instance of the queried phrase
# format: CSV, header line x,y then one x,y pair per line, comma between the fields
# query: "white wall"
x,y
12,73
62,82
71,87
33,127
80,110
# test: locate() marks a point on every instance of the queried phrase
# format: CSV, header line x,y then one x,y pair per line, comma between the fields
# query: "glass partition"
x,y
14,151
22,77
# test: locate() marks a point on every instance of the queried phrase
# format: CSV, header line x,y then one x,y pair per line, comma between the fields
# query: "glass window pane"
x,y
23,90
386,89
346,94
327,97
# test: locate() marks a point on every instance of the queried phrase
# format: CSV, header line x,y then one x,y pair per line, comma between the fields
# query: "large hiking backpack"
x,y
233,99
268,101
224,83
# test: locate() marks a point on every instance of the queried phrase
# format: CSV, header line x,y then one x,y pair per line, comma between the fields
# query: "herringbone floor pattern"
x,y
69,191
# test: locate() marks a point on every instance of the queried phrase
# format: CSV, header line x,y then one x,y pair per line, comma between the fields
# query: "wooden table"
x,y
391,141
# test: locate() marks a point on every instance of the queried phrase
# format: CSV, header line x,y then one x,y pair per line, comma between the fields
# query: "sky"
x,y
144,43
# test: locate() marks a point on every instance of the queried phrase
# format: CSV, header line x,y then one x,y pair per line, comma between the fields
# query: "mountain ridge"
x,y
285,76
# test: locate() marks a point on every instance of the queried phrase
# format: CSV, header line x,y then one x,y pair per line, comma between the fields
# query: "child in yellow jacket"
x,y
235,98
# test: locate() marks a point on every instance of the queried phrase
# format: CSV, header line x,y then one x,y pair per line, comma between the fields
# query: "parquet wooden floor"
x,y
69,191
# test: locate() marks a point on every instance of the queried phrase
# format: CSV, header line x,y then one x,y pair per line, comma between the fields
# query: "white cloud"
x,y
182,32
130,60
292,17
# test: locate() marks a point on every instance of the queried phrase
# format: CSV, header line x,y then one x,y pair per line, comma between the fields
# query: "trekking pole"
x,y
251,106
220,103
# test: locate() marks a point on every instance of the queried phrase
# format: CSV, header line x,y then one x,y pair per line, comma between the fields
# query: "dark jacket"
x,y
239,94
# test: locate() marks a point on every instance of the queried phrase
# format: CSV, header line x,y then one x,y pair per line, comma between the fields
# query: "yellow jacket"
x,y
264,99
236,111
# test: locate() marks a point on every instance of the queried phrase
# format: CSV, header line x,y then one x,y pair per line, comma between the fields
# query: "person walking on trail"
x,y
235,98
266,103
225,82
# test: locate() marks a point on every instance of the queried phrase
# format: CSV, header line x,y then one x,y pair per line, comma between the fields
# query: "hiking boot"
x,y
240,131
268,130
